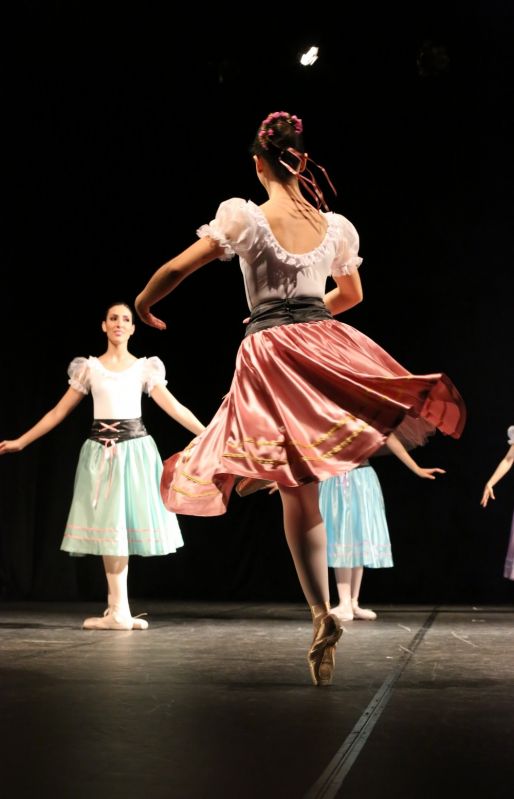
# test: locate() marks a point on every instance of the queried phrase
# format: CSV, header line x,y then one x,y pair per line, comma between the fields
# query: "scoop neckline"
x,y
114,371
278,244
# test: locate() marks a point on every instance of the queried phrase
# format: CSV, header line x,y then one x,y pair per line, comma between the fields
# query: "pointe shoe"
x,y
138,623
111,620
322,654
343,612
249,485
363,613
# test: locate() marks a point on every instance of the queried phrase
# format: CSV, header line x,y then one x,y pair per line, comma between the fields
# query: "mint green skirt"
x,y
117,507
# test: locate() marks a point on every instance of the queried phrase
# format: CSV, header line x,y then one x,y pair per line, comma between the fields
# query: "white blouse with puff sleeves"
x,y
269,271
116,395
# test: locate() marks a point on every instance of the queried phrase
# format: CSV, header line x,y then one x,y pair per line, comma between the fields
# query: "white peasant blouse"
x,y
269,271
116,395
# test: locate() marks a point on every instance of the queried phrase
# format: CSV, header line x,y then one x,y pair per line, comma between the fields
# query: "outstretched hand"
x,y
149,319
146,316
487,495
429,474
10,446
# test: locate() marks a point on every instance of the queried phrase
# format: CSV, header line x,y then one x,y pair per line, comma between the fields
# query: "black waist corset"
x,y
116,430
287,312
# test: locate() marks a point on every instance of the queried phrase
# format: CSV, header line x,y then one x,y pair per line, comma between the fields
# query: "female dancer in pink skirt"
x,y
311,397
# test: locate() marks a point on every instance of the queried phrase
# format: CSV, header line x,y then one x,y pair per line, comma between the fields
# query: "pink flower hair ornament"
x,y
266,131
308,183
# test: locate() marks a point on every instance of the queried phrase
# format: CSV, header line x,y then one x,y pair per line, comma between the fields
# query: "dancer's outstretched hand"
x,y
10,446
146,316
429,474
487,495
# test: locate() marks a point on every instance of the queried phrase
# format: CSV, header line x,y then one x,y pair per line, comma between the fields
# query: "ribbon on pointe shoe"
x,y
138,623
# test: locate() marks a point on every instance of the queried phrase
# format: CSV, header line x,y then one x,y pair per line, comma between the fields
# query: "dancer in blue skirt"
x,y
352,507
116,510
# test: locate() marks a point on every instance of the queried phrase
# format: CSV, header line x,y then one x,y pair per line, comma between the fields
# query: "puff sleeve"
x,y
79,376
233,227
510,434
347,258
154,374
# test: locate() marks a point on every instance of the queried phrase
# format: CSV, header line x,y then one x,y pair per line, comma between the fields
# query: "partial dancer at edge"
x,y
501,470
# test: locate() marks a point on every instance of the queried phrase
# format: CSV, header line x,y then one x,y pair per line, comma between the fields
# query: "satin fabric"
x,y
352,507
307,401
116,507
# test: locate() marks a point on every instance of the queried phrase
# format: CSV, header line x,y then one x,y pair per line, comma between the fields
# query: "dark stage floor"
x,y
214,700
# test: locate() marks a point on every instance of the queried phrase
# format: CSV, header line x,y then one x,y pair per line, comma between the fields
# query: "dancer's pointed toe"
x,y
322,654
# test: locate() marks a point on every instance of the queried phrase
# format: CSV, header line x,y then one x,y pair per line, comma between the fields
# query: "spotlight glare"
x,y
307,59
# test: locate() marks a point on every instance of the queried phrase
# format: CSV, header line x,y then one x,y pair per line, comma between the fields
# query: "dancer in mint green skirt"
x,y
116,510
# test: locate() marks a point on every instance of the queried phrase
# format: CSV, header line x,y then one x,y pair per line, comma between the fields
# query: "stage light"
x,y
307,59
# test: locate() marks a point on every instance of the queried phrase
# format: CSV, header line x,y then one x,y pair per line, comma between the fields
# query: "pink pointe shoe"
x,y
322,654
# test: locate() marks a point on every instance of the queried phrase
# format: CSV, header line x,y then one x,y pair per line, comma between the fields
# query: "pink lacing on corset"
x,y
109,453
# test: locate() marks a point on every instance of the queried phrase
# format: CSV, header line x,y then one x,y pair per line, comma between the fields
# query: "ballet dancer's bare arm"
x,y
54,417
176,410
501,470
397,448
348,292
169,275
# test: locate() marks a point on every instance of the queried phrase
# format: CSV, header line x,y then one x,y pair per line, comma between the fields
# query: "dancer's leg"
x,y
345,578
307,541
116,572
359,613
117,615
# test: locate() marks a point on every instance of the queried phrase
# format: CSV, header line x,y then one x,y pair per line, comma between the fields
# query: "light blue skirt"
x,y
117,507
352,507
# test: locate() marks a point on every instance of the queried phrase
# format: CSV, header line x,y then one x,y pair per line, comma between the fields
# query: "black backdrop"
x,y
124,129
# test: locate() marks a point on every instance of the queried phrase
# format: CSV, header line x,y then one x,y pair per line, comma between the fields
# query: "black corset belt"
x,y
112,431
287,312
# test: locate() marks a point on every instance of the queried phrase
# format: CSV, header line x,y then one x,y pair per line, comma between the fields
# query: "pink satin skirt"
x,y
307,401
